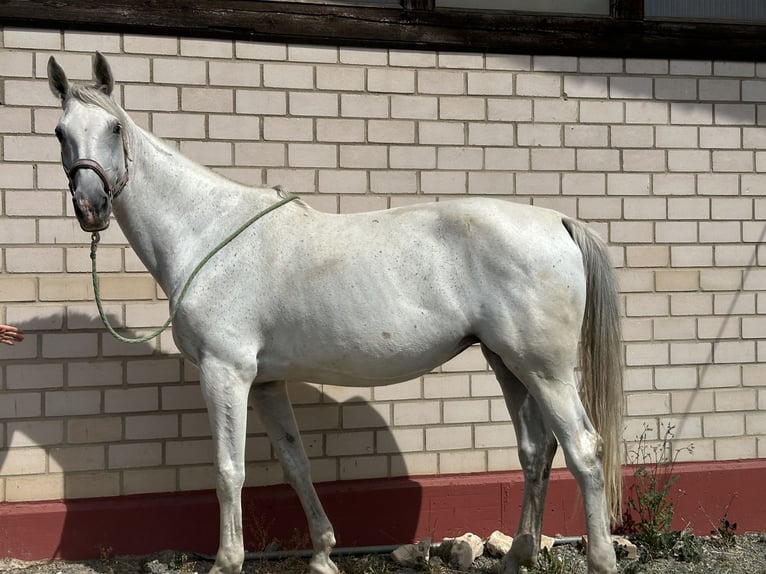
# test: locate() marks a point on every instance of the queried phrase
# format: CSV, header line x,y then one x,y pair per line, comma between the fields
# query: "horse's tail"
x,y
601,357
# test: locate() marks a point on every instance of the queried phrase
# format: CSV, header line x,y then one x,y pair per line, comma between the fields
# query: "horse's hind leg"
x,y
537,446
273,405
560,407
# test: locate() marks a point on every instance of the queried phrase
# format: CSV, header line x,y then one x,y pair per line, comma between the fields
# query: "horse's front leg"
x,y
273,404
226,396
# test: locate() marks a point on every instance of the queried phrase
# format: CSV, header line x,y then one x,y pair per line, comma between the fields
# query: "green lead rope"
x,y
95,238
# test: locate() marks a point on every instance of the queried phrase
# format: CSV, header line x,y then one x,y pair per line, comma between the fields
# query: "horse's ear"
x,y
103,73
57,79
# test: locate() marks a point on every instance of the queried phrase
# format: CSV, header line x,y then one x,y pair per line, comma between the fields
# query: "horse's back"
x,y
450,242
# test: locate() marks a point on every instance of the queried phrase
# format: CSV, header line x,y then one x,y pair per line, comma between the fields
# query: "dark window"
x,y
600,7
722,10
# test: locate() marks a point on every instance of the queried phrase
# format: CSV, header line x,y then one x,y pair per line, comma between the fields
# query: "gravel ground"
x,y
745,554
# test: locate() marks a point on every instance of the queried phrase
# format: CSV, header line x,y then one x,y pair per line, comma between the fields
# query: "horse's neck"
x,y
169,211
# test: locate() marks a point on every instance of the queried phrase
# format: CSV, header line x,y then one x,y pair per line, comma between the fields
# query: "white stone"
x,y
627,546
464,550
413,555
498,544
546,542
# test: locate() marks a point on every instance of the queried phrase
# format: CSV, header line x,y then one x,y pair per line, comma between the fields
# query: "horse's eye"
x,y
117,129
59,134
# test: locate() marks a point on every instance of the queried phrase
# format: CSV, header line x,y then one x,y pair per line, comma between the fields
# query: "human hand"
x,y
10,335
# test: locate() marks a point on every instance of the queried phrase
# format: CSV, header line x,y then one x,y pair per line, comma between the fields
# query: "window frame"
x,y
415,24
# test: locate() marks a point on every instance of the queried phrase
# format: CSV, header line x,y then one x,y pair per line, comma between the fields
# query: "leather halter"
x,y
111,191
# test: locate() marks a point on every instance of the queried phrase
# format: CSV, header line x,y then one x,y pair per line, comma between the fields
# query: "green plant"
x,y
650,511
105,556
257,529
371,564
632,567
725,531
182,563
687,548
550,563
291,564
436,566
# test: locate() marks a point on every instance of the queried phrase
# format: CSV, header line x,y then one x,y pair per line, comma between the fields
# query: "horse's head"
x,y
93,151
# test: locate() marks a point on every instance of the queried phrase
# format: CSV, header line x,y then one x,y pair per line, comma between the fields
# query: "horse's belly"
x,y
346,362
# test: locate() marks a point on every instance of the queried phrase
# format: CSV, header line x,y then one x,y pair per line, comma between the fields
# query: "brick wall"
x,y
666,159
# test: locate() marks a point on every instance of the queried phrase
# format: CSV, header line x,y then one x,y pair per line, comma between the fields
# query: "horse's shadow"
x,y
54,435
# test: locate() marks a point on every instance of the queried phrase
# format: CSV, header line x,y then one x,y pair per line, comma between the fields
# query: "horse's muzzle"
x,y
94,218
91,219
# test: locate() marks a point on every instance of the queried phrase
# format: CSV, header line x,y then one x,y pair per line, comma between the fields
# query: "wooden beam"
x,y
298,22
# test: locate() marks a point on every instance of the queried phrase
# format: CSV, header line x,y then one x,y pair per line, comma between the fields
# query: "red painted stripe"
x,y
364,512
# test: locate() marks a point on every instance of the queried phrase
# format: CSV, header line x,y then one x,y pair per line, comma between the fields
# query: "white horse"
x,y
364,299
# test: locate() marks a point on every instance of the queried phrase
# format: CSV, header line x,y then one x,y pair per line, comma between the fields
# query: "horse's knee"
x,y
229,480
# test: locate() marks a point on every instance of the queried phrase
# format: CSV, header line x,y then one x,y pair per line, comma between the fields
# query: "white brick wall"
x,y
667,159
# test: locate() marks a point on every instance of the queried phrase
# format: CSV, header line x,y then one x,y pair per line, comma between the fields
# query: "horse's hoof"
x,y
226,564
508,565
322,566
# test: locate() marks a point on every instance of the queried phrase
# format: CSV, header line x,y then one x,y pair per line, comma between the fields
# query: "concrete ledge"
x,y
364,512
